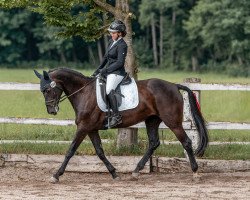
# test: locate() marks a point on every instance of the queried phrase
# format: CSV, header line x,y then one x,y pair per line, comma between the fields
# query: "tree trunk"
x,y
154,42
99,47
63,58
126,136
194,63
239,60
173,38
105,38
106,41
161,38
74,56
122,6
91,56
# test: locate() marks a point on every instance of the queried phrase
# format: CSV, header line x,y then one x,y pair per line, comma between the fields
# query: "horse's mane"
x,y
63,69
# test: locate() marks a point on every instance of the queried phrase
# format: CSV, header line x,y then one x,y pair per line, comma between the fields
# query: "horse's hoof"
x,y
53,180
196,177
118,178
135,175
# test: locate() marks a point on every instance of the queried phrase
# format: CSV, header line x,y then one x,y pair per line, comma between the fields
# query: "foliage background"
x,y
191,35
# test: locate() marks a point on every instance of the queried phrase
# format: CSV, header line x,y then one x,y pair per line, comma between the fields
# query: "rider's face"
x,y
115,35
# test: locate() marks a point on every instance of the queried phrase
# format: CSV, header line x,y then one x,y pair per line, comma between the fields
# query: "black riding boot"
x,y
116,118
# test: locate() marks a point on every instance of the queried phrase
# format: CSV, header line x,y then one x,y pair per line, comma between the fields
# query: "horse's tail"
x,y
198,119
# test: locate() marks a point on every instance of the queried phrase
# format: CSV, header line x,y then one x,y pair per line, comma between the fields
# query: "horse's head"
x,y
51,90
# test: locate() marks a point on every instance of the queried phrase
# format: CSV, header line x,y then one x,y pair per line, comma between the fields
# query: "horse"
x,y
159,101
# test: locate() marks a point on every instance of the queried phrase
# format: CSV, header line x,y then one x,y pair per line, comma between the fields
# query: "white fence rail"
x,y
19,86
192,86
68,122
187,124
213,86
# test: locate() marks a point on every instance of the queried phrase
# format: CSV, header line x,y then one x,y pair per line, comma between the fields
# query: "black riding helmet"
x,y
117,26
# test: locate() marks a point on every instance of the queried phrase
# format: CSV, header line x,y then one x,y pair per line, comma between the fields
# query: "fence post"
x,y
187,116
127,137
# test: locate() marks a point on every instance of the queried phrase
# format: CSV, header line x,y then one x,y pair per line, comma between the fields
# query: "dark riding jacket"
x,y
114,59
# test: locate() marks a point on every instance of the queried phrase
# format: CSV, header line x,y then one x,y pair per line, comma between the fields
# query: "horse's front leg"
x,y
96,140
80,135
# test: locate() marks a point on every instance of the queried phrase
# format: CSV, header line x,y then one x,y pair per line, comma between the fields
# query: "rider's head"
x,y
117,29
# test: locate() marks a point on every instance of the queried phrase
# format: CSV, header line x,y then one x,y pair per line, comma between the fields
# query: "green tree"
x,y
169,38
12,40
82,18
50,46
24,38
221,29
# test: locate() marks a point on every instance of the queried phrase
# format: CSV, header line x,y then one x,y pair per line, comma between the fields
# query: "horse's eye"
x,y
46,91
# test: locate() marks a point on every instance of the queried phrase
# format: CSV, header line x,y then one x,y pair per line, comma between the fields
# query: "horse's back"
x,y
156,86
166,98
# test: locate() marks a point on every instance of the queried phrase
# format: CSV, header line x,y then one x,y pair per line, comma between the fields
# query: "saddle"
x,y
126,94
102,83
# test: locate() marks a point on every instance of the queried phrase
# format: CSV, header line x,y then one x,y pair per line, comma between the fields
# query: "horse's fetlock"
x,y
153,145
157,144
187,144
101,156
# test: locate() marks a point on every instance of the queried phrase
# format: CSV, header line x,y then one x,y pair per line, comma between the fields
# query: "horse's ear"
x,y
38,74
46,75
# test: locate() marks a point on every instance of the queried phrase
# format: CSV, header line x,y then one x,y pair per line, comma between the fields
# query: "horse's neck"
x,y
74,85
69,81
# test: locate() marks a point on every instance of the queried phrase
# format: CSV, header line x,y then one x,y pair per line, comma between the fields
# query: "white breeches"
x,y
113,81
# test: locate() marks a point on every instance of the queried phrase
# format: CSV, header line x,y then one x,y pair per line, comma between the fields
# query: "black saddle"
x,y
102,84
126,80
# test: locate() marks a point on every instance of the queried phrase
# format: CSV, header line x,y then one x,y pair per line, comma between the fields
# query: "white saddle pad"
x,y
129,101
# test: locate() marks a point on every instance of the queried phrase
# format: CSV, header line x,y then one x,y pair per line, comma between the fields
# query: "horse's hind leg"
x,y
187,145
152,125
96,140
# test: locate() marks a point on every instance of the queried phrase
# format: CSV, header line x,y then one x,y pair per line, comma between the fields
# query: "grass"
x,y
66,133
178,77
59,133
231,106
216,106
226,152
30,104
27,75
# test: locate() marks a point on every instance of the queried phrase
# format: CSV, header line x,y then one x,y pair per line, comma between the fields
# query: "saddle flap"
x,y
102,88
128,95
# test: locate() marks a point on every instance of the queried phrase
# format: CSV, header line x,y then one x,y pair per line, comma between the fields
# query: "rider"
x,y
112,67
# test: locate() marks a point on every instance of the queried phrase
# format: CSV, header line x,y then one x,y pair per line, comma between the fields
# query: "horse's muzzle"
x,y
52,110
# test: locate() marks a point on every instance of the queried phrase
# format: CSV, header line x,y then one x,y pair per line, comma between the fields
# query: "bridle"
x,y
55,102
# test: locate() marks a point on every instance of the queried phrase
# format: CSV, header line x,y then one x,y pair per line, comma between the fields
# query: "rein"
x,y
62,98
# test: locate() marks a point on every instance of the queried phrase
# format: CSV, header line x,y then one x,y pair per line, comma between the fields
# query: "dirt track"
x,y
32,183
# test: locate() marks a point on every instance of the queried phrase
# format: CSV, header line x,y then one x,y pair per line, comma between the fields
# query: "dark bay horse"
x,y
159,101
